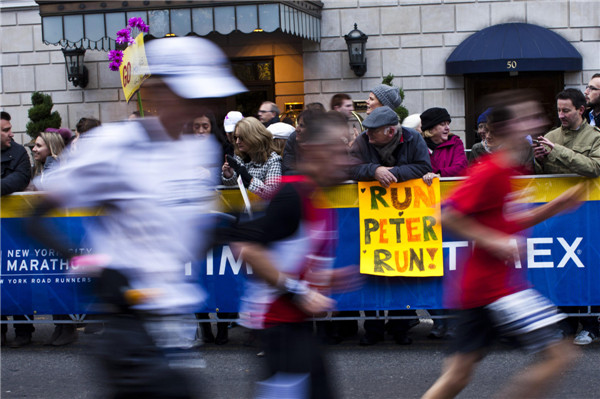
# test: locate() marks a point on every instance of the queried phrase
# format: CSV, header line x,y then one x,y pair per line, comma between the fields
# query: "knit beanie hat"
x,y
388,95
65,133
433,116
483,117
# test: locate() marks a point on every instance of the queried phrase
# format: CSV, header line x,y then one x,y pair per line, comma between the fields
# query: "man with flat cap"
x,y
388,153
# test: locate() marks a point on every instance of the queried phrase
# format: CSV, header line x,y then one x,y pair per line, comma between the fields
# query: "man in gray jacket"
x,y
387,152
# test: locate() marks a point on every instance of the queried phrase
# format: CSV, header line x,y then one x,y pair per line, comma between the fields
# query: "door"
x,y
477,86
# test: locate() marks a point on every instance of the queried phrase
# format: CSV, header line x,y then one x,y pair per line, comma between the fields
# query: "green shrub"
x,y
40,115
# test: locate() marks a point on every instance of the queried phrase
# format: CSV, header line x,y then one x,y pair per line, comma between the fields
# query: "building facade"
x,y
411,39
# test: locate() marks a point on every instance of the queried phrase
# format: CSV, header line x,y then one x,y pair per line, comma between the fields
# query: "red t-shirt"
x,y
293,215
485,196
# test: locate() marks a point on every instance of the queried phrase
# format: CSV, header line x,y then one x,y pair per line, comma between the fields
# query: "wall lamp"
x,y
76,71
356,41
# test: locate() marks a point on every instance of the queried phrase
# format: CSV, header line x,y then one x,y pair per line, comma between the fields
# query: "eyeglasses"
x,y
236,138
260,111
591,88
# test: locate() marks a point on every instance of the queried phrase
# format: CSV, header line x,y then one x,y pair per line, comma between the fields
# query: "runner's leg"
x,y
455,376
539,378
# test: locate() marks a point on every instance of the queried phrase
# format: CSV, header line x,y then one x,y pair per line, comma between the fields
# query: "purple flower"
x,y
116,56
124,36
114,66
138,23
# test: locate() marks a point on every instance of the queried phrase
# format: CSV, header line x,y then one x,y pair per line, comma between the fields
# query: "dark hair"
x,y
501,103
86,124
5,116
338,99
318,126
576,97
288,120
215,129
596,75
315,106
308,114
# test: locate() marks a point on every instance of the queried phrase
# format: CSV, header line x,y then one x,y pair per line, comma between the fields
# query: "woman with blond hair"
x,y
446,150
48,146
46,151
255,160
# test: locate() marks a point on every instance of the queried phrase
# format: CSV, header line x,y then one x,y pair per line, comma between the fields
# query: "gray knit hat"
x,y
388,95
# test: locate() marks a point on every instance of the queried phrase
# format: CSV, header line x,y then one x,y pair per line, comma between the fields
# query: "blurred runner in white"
x,y
156,187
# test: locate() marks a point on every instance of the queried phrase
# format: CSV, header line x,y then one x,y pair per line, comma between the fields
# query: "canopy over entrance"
x,y
513,47
94,24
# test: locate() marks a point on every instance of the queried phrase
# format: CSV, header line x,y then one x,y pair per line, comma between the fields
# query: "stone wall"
x,y
412,39
29,65
408,38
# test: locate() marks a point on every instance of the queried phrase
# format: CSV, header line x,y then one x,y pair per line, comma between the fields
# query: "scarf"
x,y
386,152
430,144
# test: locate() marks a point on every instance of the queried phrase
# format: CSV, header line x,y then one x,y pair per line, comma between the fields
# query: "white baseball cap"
x,y
281,130
192,67
231,119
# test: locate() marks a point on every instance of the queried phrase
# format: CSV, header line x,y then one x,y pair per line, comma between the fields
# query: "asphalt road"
x,y
385,370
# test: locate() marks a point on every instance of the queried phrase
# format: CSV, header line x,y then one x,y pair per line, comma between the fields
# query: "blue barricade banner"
x,y
560,257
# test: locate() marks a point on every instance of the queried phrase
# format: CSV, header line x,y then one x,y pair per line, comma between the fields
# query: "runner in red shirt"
x,y
292,249
495,298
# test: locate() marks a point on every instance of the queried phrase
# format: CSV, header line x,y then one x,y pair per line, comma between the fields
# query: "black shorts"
x,y
476,331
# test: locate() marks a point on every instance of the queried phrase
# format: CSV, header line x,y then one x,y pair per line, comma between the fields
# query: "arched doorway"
x,y
511,56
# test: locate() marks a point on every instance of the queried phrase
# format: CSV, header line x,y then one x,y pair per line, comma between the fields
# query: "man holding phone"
x,y
572,148
575,146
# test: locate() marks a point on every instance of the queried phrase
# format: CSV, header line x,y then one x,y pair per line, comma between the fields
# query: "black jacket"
x,y
16,169
290,155
412,158
270,122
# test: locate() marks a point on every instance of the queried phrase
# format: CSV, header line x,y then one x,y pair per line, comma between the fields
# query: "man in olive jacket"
x,y
572,148
575,146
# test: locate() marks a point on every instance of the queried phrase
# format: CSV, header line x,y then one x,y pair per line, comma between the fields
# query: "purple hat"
x,y
66,134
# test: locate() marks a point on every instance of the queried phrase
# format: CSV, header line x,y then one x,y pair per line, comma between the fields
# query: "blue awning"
x,y
513,47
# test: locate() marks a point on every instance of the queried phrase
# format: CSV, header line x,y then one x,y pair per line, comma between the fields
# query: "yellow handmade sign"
x,y
400,229
134,62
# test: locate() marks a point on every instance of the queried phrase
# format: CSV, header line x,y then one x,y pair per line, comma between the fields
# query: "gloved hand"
x,y
240,170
